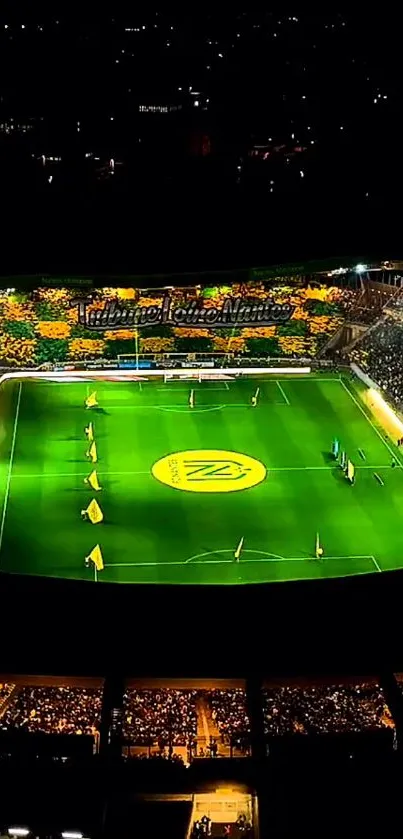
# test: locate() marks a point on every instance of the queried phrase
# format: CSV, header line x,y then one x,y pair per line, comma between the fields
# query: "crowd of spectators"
x,y
229,712
54,710
163,716
325,709
166,718
367,308
395,305
158,756
380,355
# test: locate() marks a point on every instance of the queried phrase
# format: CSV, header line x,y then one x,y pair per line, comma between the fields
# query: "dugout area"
x,y
182,486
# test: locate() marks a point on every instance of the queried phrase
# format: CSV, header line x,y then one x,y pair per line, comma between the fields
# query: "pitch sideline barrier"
x,y
374,399
147,374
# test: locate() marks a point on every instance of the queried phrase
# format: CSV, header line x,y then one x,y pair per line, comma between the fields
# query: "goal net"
x,y
197,376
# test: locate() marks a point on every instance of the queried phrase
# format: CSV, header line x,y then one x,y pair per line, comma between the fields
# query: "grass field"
x,y
181,521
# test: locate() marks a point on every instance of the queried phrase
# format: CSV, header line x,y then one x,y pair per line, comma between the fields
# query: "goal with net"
x,y
197,376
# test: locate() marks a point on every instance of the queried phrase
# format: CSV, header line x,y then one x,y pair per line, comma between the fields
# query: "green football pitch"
x,y
182,486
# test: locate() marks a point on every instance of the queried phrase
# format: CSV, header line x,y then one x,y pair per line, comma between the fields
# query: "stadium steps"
x,y
206,728
7,699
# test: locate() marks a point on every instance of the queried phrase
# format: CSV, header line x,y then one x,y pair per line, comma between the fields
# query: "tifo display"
x,y
230,480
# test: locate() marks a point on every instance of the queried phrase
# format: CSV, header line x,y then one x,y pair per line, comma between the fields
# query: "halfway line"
x,y
148,471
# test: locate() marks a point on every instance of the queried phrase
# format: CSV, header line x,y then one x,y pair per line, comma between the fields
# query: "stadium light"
x,y
72,834
360,268
18,831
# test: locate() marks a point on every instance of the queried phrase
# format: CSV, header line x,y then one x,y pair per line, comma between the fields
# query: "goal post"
x,y
197,376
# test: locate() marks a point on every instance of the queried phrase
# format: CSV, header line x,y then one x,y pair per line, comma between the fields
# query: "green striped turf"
x,y
151,531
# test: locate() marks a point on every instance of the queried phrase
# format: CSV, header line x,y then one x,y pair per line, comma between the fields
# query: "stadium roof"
x,y
331,266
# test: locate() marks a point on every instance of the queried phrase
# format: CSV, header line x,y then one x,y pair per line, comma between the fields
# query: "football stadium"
x,y
201,563
201,434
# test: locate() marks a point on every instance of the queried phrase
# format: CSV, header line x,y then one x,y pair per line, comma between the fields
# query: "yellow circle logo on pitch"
x,y
209,470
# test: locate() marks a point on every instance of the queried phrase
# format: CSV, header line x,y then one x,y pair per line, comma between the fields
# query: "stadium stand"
x,y
228,711
158,798
160,717
64,710
380,355
367,306
325,709
168,717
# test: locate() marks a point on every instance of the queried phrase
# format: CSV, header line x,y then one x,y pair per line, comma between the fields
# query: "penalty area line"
x,y
376,564
284,395
232,561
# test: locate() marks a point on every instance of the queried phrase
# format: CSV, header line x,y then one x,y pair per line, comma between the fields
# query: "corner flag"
x,y
91,400
192,399
92,452
89,432
238,551
96,557
93,512
92,480
318,548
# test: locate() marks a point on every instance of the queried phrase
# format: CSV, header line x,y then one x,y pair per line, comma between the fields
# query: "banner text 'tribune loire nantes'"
x,y
234,312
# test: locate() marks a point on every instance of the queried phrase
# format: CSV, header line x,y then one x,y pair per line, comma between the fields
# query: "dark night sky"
x,y
168,205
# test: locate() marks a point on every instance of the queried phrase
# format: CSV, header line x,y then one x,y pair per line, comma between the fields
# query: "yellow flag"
x,y
89,431
94,512
255,397
92,480
96,557
238,551
318,548
92,452
91,400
